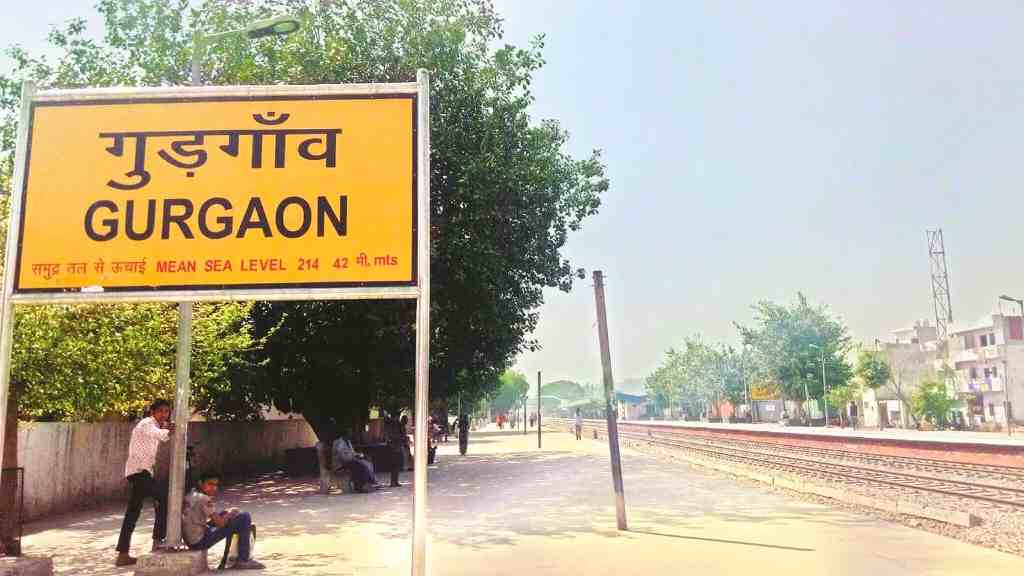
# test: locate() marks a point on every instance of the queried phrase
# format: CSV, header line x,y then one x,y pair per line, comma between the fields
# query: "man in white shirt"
x,y
147,436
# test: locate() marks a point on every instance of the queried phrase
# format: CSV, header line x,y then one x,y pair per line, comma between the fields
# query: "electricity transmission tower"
x,y
940,283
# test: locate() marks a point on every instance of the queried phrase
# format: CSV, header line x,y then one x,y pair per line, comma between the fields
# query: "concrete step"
x,y
183,563
26,566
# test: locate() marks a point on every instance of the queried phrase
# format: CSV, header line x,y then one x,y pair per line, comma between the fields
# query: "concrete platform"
x,y
181,563
26,566
944,436
508,509
971,447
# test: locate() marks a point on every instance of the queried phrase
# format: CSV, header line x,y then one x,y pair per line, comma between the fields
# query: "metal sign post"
x,y
28,91
419,539
224,193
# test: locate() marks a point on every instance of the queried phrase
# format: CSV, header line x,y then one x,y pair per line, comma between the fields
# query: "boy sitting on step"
x,y
202,526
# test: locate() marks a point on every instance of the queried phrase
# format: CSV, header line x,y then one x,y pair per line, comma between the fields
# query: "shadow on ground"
x,y
477,502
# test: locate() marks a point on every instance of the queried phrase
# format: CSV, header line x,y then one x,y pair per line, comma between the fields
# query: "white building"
x,y
988,361
911,356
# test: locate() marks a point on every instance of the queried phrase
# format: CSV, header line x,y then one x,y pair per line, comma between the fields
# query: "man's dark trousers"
x,y
397,459
143,486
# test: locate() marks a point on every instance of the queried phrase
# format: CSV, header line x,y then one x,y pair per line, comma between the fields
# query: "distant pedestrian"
x,y
579,425
407,447
463,434
146,438
397,442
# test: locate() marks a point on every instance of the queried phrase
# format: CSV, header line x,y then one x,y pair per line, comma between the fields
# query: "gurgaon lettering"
x,y
215,218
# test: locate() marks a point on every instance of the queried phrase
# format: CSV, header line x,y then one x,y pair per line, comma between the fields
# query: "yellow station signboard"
x,y
219,193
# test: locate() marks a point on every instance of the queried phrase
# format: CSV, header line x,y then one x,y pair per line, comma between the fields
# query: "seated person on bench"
x,y
357,465
202,526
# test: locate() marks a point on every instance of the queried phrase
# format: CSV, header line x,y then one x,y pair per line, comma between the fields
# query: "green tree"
x,y
840,397
931,402
512,389
696,376
780,340
505,193
872,369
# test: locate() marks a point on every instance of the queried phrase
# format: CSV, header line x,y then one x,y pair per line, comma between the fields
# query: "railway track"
x,y
767,455
1003,473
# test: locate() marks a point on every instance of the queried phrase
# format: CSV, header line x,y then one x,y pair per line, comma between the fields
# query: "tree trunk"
x,y
10,516
323,458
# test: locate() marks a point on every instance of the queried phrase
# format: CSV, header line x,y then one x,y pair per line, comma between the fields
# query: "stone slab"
x,y
26,566
941,514
184,563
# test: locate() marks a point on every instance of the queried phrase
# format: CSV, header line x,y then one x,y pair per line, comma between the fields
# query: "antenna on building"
x,y
940,283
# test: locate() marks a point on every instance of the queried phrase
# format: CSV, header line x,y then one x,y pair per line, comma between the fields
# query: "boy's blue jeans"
x,y
240,524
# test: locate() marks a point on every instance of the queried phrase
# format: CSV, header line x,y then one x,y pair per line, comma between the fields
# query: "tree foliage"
x,y
931,402
90,362
872,369
787,343
511,391
565,390
782,352
696,376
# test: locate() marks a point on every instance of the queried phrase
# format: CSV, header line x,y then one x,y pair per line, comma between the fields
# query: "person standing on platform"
x,y
397,444
579,425
463,434
147,436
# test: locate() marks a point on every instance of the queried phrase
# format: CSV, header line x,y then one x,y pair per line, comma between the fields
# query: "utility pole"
x,y
538,409
609,396
824,386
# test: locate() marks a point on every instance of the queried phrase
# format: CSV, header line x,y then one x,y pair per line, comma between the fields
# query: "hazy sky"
x,y
756,149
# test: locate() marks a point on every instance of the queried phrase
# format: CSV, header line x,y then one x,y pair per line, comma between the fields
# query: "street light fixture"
x,y
278,26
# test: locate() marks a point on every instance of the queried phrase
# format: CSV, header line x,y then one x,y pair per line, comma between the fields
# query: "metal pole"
x,y
824,386
538,408
28,91
609,394
182,384
183,390
419,539
198,47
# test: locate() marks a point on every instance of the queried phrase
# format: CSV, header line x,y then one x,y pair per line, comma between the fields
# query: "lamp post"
x,y
746,383
824,384
279,26
1006,367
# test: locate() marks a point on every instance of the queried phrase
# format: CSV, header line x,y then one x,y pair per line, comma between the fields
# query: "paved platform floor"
x,y
510,509
953,436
